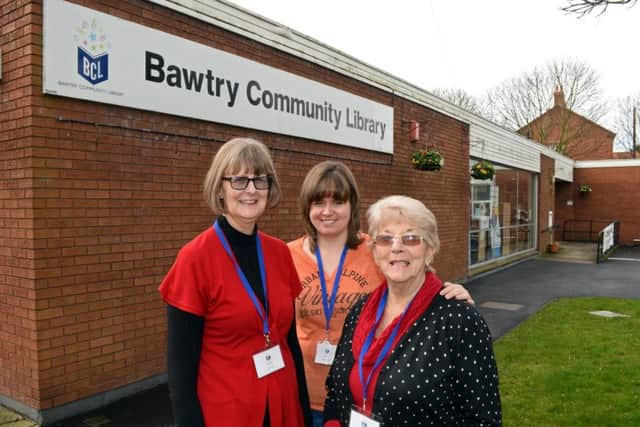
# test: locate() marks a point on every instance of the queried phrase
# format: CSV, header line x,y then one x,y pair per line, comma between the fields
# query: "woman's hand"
x,y
457,291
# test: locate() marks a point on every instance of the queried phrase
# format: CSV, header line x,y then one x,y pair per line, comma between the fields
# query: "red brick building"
x,y
570,133
614,191
614,196
99,189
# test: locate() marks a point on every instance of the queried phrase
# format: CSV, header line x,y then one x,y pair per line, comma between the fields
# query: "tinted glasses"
x,y
261,182
406,239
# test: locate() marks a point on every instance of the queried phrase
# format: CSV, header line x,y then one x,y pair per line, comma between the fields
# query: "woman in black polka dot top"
x,y
407,356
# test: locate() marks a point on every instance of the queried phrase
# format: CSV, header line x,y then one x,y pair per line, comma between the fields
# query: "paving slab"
x,y
501,305
607,313
7,416
20,423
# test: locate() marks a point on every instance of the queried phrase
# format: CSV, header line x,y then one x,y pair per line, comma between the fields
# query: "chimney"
x,y
558,98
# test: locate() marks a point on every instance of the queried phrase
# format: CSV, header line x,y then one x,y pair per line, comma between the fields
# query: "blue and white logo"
x,y
93,52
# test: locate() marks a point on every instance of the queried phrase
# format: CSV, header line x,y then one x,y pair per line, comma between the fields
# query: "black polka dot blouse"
x,y
441,373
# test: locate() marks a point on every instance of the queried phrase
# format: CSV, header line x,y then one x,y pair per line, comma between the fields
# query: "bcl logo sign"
x,y
94,69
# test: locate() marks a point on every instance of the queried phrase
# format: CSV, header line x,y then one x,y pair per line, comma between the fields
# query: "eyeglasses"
x,y
262,182
406,239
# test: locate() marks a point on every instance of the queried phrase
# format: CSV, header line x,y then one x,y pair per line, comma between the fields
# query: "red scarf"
x,y
366,321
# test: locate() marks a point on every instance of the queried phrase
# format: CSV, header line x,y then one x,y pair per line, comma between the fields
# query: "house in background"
x,y
570,133
612,178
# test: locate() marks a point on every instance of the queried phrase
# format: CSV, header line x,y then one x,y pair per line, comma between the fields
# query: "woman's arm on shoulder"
x,y
184,331
456,291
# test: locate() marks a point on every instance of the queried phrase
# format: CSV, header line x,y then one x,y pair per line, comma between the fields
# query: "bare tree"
x,y
461,98
623,122
518,103
584,7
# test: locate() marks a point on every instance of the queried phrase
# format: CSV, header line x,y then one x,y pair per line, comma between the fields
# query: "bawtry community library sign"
x,y
94,56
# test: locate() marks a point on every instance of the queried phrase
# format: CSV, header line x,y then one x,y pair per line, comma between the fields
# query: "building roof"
x,y
559,103
265,31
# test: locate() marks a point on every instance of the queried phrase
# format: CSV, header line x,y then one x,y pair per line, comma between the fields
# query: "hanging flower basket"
x,y
482,169
427,160
584,189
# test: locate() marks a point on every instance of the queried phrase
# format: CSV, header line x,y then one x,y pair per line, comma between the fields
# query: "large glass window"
x,y
503,215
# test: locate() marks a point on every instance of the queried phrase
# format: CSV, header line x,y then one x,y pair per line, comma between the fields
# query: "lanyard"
x,y
385,349
245,282
329,305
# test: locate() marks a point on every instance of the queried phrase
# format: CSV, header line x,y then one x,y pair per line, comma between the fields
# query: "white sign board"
x,y
607,238
97,57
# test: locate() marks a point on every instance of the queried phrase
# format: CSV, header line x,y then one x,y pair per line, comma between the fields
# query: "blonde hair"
x,y
416,213
235,156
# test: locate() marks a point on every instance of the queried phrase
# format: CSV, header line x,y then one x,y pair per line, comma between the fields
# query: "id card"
x,y
358,419
268,361
325,353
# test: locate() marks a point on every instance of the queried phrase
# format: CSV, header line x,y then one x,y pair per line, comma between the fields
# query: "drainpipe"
x,y
633,153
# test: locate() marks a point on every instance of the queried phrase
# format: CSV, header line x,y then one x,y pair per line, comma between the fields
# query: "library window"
x,y
503,215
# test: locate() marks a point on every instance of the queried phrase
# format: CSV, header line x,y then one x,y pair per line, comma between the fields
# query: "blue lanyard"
x,y
329,305
385,349
245,282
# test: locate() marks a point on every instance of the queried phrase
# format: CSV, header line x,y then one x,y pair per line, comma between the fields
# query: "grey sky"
x,y
468,44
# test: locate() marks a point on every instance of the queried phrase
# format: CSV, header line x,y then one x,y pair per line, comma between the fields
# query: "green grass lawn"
x,y
566,367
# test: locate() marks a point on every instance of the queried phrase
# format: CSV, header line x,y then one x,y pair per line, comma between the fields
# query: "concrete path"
x,y
579,252
505,298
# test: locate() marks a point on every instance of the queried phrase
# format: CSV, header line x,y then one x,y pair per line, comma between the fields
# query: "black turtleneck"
x,y
185,332
246,252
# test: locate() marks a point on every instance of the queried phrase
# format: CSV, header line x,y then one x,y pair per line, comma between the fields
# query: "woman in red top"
x,y
233,355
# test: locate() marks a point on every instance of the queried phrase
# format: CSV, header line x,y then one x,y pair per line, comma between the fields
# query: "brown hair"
x,y
238,155
330,179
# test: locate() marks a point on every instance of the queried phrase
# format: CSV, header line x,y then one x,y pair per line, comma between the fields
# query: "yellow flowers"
x,y
482,169
427,160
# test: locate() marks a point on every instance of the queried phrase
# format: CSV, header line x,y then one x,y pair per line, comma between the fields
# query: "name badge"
x,y
325,353
268,361
358,419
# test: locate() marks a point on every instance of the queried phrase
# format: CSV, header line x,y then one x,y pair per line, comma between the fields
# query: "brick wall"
x,y
615,195
98,199
18,304
566,194
591,142
546,197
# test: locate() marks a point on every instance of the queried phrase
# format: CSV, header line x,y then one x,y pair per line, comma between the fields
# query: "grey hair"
x,y
414,211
